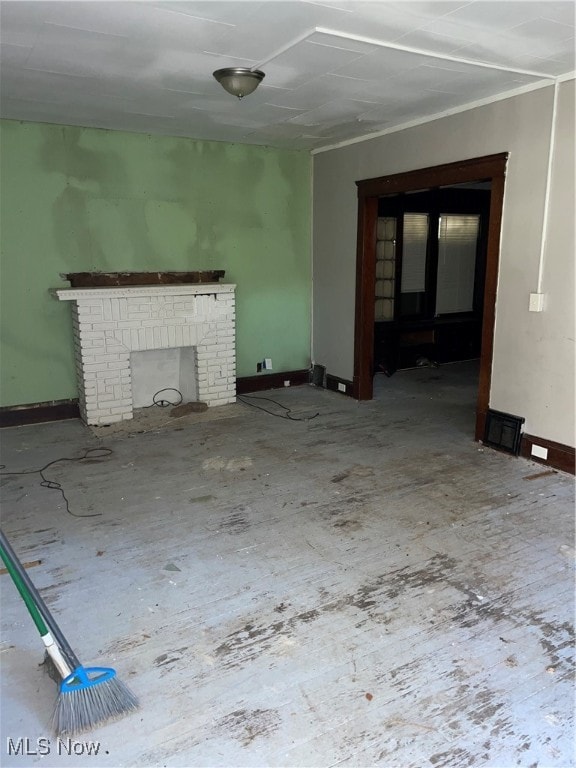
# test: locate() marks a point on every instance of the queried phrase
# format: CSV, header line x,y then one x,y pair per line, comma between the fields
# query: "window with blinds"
x,y
414,246
457,246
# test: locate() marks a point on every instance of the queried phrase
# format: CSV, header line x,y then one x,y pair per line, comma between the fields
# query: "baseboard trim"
x,y
59,410
37,413
559,456
262,381
332,383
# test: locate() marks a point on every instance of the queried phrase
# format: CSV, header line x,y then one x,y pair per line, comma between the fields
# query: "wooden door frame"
x,y
489,168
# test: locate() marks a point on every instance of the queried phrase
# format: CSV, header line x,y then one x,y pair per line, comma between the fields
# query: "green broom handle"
x,y
24,594
34,602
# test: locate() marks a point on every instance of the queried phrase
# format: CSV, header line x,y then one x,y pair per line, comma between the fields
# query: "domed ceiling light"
x,y
239,81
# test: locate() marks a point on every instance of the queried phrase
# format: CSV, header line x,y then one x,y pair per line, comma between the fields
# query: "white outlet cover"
x,y
268,363
539,451
341,387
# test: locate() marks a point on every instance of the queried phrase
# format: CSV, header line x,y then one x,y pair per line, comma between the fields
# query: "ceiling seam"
x,y
300,39
431,54
402,48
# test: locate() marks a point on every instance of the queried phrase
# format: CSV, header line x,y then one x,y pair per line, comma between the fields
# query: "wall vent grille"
x,y
503,431
319,375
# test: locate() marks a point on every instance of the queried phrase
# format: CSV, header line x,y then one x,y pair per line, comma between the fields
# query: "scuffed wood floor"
x,y
367,588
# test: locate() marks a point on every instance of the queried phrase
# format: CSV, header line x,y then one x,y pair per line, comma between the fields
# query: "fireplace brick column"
x,y
110,323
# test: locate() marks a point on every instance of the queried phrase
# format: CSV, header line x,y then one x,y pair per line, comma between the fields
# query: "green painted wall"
x,y
76,199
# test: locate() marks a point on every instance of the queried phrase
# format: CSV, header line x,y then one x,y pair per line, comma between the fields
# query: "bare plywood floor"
x,y
368,588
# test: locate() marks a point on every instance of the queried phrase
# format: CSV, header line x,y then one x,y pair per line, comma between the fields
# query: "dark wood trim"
x,y
489,168
332,384
489,311
560,456
102,279
57,410
247,384
37,413
365,281
474,169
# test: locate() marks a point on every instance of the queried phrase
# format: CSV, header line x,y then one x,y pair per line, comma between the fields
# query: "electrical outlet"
x,y
539,451
341,387
268,363
258,367
287,383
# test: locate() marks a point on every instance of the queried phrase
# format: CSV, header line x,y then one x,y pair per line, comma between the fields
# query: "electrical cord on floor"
x,y
90,453
244,399
164,403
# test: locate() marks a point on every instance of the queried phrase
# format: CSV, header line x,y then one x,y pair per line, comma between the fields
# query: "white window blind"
x,y
415,239
457,242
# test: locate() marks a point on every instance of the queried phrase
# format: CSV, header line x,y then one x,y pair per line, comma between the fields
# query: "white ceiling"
x,y
335,69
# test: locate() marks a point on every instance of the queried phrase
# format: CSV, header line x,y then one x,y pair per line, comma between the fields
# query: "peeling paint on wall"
x,y
79,199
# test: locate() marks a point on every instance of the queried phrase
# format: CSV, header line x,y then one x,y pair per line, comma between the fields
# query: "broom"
x,y
89,696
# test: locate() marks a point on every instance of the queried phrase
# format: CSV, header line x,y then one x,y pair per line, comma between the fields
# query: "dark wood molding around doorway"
x,y
489,168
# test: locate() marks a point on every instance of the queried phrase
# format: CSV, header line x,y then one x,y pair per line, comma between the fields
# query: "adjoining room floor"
x,y
367,588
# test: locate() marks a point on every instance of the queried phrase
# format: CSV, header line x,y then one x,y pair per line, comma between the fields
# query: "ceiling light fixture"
x,y
239,81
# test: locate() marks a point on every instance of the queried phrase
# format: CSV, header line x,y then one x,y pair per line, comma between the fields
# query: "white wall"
x,y
533,367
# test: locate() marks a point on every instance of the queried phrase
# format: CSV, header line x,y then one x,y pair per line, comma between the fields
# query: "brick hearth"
x,y
110,323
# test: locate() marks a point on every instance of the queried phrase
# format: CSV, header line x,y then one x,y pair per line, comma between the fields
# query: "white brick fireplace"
x,y
111,323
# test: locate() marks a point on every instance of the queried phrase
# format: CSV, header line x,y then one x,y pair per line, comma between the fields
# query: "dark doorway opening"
x,y
430,272
401,192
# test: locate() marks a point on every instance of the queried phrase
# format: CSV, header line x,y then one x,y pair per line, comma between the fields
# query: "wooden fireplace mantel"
x,y
103,279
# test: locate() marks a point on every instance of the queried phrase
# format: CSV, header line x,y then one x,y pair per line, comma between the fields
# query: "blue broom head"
x,y
90,697
85,677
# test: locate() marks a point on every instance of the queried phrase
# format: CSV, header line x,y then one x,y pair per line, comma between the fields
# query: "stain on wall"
x,y
78,199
